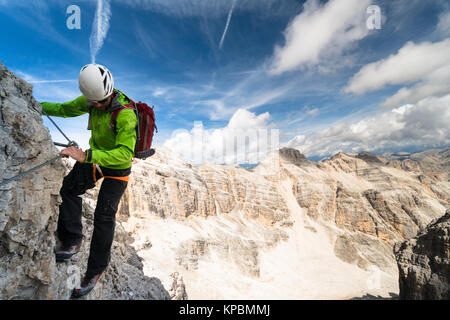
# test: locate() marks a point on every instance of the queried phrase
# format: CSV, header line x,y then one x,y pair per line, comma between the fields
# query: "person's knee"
x,y
104,218
105,212
65,190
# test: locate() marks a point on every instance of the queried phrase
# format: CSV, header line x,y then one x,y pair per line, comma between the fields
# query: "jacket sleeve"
x,y
126,123
72,108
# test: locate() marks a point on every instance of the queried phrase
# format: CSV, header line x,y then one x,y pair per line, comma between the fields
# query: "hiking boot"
x,y
66,252
86,286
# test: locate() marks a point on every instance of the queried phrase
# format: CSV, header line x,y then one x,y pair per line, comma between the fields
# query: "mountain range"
x,y
288,228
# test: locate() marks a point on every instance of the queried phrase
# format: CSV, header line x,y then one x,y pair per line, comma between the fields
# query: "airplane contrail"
x,y
227,24
100,27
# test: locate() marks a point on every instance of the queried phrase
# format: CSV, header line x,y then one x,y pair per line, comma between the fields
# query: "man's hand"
x,y
74,153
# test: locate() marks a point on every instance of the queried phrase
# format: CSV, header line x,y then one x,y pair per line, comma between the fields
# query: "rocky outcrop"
x,y
424,262
293,155
166,187
369,157
29,213
363,197
362,203
28,206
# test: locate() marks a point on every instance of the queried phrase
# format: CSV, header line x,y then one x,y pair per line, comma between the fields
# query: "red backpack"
x,y
144,130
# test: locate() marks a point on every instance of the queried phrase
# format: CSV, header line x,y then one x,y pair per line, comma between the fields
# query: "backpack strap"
x,y
156,128
90,118
115,113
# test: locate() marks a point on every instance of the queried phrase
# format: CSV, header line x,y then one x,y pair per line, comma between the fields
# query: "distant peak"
x,y
368,157
340,155
292,155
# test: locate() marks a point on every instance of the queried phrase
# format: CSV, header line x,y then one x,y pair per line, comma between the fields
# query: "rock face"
x,y
29,213
372,204
187,219
293,155
28,207
424,262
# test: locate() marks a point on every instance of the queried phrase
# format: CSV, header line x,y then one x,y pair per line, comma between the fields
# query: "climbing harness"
x,y
96,167
70,144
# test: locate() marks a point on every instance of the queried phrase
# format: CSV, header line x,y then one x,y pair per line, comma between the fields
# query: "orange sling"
x,y
95,167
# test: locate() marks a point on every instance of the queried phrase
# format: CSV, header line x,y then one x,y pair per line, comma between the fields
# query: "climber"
x,y
109,157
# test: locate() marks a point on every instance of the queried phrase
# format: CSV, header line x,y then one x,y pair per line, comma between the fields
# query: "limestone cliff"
x,y
334,222
29,211
424,262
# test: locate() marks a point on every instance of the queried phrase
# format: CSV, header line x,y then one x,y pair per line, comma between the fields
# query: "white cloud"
x,y
420,125
249,93
243,119
159,91
247,138
295,116
443,27
411,63
436,83
312,112
425,65
321,32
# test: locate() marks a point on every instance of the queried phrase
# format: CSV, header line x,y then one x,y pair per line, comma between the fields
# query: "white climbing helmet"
x,y
95,82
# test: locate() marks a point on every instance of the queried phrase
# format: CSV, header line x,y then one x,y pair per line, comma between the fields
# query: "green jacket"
x,y
108,149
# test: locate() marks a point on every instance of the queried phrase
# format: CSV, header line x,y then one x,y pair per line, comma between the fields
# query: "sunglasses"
x,y
101,101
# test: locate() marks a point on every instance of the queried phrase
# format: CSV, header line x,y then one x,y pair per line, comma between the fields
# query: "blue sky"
x,y
311,69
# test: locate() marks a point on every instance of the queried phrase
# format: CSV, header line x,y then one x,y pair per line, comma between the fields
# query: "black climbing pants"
x,y
80,179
